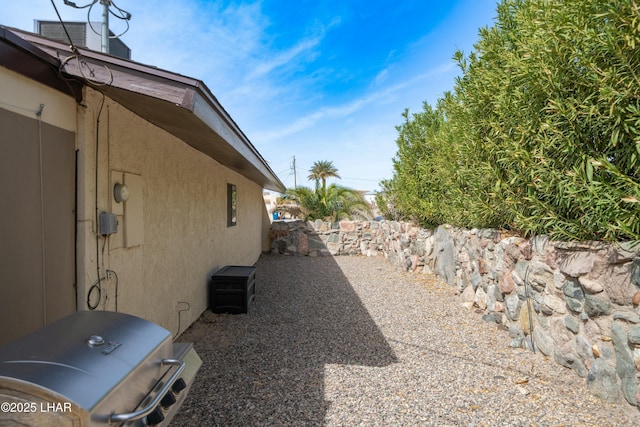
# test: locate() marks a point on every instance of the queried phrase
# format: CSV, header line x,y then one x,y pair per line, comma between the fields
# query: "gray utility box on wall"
x,y
233,288
108,223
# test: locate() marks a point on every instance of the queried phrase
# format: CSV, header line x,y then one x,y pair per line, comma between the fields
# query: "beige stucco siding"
x,y
182,212
24,96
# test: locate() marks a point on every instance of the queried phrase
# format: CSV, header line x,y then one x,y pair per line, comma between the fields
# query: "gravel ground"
x,y
353,341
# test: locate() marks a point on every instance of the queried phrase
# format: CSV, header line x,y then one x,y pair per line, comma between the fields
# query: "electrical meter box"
x,y
108,223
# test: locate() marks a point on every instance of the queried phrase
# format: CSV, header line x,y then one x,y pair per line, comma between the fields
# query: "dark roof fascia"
x,y
204,105
137,87
22,57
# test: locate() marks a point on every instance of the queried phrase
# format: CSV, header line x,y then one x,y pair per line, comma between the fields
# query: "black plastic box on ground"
x,y
233,288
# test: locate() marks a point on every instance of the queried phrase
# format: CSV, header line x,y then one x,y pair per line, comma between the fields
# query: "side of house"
x,y
173,231
124,188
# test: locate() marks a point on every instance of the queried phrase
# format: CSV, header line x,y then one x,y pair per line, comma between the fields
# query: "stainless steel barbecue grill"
x,y
95,368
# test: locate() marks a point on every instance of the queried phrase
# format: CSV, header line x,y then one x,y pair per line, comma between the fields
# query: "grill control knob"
x,y
179,385
168,400
95,340
156,417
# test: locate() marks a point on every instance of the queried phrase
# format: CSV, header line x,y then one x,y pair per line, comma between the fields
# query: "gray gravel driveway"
x,y
354,341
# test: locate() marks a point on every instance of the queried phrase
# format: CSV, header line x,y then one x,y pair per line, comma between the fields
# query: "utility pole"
x,y
104,33
295,185
105,25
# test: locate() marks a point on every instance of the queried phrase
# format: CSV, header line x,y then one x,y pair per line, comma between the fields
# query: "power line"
x,y
361,179
106,4
285,180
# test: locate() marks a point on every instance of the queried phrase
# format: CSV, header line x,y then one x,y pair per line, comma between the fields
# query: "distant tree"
x,y
333,204
320,171
328,203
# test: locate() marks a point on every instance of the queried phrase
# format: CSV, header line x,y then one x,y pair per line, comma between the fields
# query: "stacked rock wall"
x,y
575,302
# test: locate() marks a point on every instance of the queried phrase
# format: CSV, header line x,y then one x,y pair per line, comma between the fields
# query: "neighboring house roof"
x,y
181,105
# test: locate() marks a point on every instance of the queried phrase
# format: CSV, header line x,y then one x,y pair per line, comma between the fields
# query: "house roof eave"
x,y
22,57
180,105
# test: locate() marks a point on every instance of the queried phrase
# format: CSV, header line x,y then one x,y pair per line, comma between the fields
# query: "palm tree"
x,y
344,203
334,202
320,171
300,202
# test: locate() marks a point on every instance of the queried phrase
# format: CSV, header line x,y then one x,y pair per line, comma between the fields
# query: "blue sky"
x,y
318,80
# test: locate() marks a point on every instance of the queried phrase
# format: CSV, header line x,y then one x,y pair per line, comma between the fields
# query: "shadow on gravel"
x,y
267,367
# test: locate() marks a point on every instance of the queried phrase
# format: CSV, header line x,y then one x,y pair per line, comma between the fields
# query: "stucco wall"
x,y
24,96
184,236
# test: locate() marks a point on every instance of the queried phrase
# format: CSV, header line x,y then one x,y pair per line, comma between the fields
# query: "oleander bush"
x,y
541,132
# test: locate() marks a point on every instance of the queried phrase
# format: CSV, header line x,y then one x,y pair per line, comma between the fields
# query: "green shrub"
x,y
541,132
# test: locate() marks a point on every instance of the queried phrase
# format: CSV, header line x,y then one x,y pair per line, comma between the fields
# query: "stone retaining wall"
x,y
574,302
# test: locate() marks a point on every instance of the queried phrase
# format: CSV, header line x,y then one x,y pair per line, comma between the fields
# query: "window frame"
x,y
232,205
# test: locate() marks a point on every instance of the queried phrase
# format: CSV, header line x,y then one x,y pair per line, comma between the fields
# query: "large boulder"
x,y
444,254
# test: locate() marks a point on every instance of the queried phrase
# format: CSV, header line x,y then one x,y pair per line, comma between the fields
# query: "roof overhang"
x,y
180,105
24,58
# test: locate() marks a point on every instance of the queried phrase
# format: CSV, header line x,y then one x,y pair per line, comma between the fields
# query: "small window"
x,y
232,200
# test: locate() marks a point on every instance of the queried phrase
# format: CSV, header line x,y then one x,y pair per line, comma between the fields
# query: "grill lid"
x,y
85,356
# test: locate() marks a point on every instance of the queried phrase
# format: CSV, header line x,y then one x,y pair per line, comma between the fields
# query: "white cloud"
x,y
275,86
284,57
381,96
381,77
